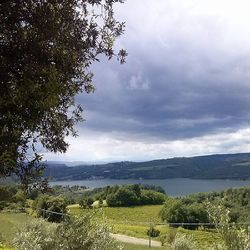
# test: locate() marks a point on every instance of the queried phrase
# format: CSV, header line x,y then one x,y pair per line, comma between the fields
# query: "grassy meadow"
x,y
139,247
132,221
127,215
135,221
10,223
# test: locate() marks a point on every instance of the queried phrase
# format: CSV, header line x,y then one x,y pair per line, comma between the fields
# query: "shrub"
x,y
51,204
171,235
82,233
20,198
85,233
176,211
7,192
233,238
3,204
183,242
153,232
100,203
86,202
163,239
36,235
173,211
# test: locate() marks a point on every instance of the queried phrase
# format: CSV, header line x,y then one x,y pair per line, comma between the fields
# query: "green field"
x,y
132,221
139,247
10,223
142,215
135,221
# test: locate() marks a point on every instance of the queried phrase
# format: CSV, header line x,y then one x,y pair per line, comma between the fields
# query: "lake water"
x,y
173,187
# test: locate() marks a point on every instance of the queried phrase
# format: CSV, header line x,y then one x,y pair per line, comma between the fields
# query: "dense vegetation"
x,y
85,232
126,195
229,166
12,196
133,195
175,211
192,209
135,220
50,207
57,198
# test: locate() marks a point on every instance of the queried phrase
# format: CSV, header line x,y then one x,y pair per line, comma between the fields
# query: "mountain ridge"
x,y
216,166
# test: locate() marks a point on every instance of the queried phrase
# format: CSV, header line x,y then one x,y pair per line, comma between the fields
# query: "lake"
x,y
173,187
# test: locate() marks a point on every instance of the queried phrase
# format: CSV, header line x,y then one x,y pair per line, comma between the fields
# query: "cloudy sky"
x,y
184,90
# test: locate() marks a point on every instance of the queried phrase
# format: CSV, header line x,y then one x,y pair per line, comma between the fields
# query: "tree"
x,y
86,202
173,211
234,238
46,50
176,211
50,208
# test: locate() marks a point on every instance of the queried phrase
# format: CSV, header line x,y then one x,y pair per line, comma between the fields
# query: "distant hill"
x,y
221,166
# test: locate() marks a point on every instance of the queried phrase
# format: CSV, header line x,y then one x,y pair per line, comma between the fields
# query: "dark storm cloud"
x,y
182,79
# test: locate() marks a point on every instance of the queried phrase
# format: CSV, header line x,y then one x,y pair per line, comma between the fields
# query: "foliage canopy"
x,y
46,50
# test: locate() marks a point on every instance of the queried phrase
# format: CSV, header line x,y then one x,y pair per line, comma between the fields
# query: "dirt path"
x,y
133,240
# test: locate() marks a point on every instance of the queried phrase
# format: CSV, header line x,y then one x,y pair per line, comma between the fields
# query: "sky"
x,y
184,90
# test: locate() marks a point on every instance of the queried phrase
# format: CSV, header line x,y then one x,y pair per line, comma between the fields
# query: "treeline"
x,y
189,209
125,195
228,166
57,198
133,195
13,197
192,208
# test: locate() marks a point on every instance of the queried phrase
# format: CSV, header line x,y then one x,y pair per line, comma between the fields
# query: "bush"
x,y
86,202
3,204
176,211
36,235
171,235
83,233
20,198
183,242
7,192
173,211
51,204
100,203
233,238
153,232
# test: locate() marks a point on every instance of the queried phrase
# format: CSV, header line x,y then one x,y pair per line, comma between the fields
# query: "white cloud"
x,y
106,147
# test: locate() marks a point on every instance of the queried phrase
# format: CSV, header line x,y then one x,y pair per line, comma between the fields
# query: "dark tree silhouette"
x,y
46,50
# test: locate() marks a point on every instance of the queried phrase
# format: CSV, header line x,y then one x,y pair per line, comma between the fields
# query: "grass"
x,y
10,223
135,221
139,247
142,215
132,221
203,238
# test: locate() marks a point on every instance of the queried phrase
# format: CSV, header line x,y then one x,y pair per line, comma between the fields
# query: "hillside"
x,y
224,166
